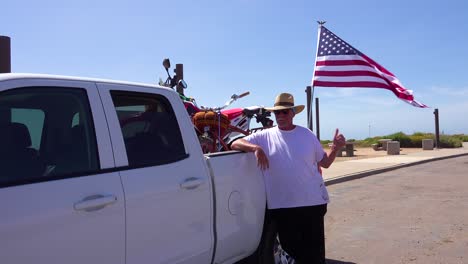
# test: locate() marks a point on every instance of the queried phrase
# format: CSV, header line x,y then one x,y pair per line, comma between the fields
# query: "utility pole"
x,y
5,54
179,75
309,116
317,120
436,116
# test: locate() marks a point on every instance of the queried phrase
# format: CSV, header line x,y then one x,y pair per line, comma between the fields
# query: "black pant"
x,y
301,232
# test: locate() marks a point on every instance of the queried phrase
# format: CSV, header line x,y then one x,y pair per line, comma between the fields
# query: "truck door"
x,y
167,188
58,203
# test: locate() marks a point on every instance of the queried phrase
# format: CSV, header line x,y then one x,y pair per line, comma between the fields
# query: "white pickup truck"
x,y
97,171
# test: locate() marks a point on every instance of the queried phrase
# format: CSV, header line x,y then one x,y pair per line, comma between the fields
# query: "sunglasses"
x,y
284,112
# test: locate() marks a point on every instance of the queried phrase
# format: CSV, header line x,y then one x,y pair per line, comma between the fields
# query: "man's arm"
x,y
339,141
243,145
328,158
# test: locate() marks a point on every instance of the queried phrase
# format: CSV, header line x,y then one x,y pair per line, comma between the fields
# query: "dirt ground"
x,y
365,153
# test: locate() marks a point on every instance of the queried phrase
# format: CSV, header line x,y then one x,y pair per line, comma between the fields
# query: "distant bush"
x,y
367,142
409,141
362,144
405,140
450,142
325,143
416,138
462,137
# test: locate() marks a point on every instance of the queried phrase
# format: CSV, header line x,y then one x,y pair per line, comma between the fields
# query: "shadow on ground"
x,y
332,261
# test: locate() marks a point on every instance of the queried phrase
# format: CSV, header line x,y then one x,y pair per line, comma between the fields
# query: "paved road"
x,y
412,215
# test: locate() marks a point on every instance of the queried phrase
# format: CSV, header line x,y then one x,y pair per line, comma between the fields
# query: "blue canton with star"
x,y
330,44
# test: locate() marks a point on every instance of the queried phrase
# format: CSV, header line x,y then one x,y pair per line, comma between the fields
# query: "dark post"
x,y
5,54
317,120
436,115
309,117
179,71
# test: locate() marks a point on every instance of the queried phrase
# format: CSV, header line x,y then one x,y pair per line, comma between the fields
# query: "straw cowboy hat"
x,y
285,101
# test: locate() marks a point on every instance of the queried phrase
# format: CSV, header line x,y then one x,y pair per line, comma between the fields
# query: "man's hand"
x,y
339,140
262,160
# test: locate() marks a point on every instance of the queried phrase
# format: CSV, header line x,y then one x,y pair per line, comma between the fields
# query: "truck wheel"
x,y
265,251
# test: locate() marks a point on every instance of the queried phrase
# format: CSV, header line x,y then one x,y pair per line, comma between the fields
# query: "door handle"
x,y
191,183
94,202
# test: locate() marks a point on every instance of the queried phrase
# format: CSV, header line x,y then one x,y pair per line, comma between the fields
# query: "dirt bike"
x,y
217,127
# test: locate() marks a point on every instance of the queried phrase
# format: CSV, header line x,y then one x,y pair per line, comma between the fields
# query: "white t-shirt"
x,y
292,179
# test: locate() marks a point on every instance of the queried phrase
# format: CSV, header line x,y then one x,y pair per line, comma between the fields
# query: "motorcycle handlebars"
x,y
243,94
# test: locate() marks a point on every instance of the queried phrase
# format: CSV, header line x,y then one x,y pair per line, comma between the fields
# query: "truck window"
x,y
149,127
39,139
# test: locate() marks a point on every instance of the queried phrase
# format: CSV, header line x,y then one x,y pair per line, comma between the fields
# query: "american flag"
x,y
338,64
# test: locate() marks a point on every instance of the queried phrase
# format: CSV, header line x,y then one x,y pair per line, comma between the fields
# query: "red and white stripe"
x,y
358,71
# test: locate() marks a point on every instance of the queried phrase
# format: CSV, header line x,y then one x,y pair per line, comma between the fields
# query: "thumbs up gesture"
x,y
339,140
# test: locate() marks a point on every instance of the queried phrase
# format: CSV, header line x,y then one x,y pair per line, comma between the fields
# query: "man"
x,y
296,195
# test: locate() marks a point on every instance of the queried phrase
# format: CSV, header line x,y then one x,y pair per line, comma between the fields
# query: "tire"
x,y
265,251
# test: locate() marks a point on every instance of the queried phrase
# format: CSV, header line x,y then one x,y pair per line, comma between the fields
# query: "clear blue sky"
x,y
265,47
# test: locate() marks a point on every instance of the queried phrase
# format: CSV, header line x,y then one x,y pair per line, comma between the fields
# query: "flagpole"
x,y
308,95
311,125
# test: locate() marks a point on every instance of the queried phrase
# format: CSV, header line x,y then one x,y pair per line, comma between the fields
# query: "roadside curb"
x,y
362,174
